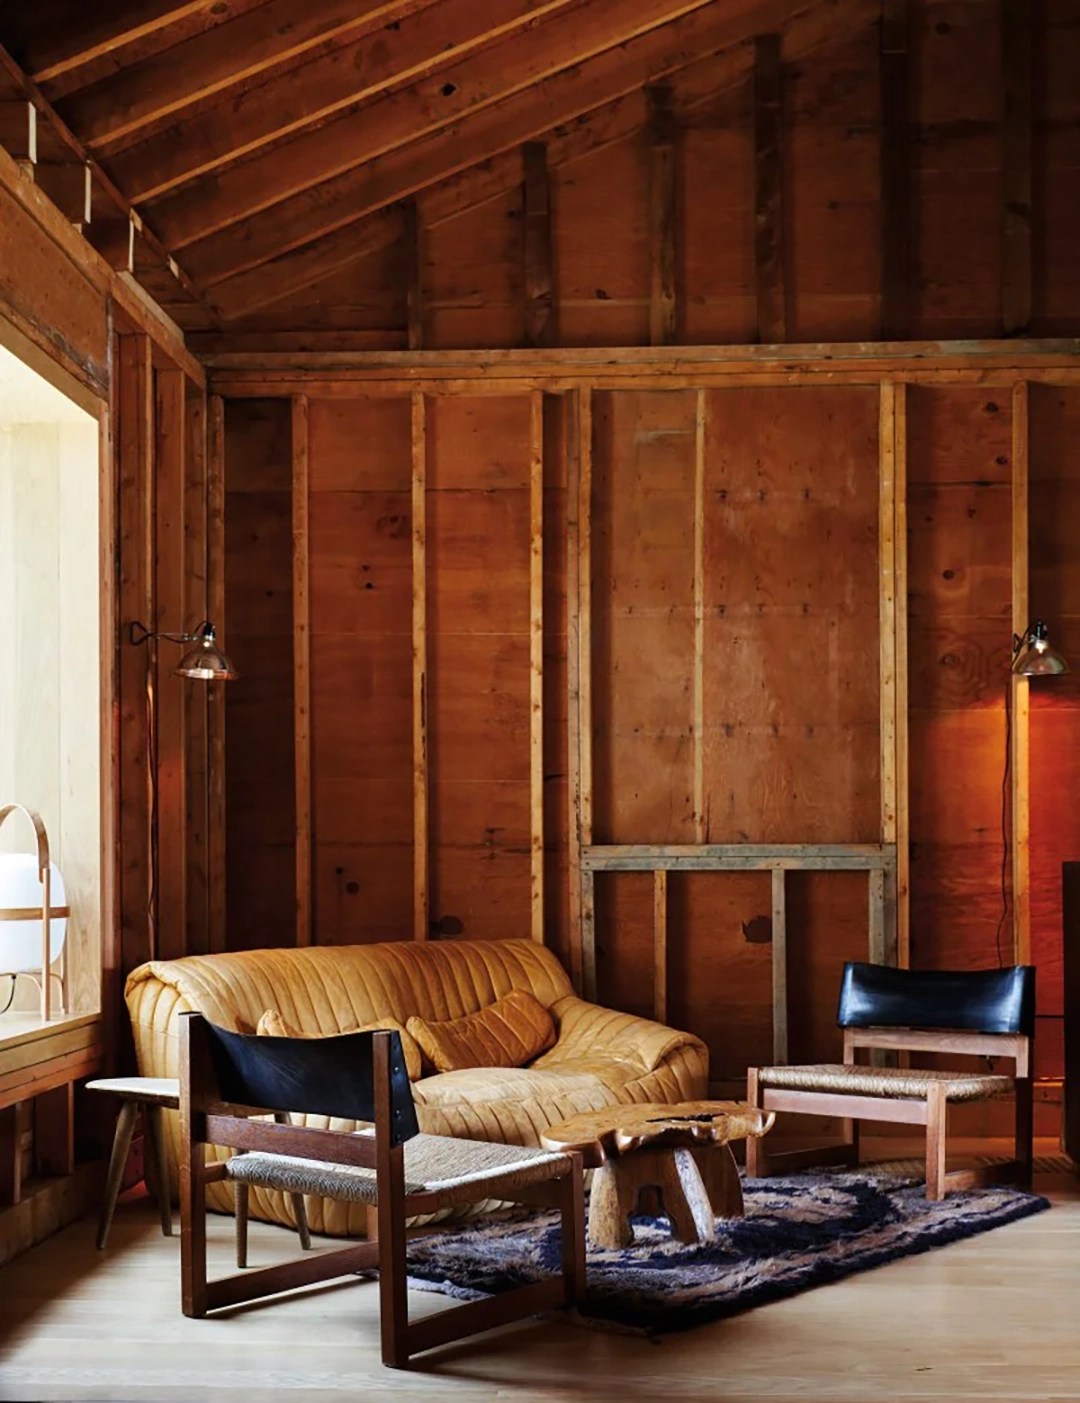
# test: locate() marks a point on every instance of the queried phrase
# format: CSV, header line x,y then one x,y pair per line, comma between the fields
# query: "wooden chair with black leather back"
x,y
988,1013
228,1081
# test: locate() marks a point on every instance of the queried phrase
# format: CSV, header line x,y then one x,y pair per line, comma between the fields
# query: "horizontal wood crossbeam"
x,y
868,362
885,1108
739,857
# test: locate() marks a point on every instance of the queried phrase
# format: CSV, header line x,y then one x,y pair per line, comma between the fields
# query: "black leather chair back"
x,y
320,1076
975,1001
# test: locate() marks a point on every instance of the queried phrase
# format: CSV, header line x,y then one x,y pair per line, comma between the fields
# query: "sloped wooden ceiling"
x,y
240,151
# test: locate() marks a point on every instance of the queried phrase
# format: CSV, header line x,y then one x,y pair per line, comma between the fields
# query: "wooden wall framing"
x,y
890,374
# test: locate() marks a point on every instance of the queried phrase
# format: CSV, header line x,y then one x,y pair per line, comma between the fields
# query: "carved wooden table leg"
x,y
617,1186
720,1175
611,1201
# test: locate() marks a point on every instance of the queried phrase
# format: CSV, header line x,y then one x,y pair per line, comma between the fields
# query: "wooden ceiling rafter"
x,y
301,171
63,44
697,85
61,140
272,34
313,90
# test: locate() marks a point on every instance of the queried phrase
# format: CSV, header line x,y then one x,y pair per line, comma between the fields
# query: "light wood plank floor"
x,y
995,1318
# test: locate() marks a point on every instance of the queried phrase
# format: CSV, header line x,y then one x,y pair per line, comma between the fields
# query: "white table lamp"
x,y
33,913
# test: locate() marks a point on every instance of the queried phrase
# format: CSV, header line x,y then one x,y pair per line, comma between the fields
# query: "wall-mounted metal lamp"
x,y
205,662
1033,656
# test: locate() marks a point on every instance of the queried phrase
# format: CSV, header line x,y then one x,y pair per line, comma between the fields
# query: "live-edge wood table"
x,y
682,1150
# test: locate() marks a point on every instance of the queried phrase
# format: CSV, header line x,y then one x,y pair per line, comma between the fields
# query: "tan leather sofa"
x,y
601,1057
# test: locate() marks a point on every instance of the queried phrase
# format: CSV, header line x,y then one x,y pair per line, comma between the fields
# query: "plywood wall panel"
x,y
959,626
827,923
957,181
718,233
260,804
600,247
1055,702
790,595
643,616
472,277
720,965
367,295
478,665
361,668
831,191
1056,169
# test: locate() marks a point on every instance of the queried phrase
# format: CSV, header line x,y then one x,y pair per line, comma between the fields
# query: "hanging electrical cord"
x,y
1005,829
11,996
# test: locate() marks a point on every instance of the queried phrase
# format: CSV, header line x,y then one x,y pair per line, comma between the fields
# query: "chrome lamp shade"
x,y
1033,656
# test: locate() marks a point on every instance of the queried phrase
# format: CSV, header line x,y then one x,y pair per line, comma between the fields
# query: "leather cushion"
x,y
272,1025
508,1033
976,1000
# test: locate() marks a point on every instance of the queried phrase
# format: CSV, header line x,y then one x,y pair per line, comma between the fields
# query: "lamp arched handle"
x,y
45,878
38,825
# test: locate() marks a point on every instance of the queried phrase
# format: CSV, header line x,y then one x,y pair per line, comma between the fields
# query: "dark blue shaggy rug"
x,y
800,1231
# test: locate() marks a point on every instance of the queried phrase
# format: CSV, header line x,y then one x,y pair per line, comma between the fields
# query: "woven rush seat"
x,y
900,1082
433,1164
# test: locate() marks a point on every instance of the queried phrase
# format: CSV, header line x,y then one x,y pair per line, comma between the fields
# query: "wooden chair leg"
x,y
240,1209
155,1136
125,1124
1024,1127
393,1301
757,1156
935,1143
300,1212
572,1202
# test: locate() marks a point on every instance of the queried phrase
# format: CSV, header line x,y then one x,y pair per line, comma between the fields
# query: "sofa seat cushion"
x,y
517,1104
490,1084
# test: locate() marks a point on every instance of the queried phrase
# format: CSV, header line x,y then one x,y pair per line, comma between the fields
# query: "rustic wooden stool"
x,y
681,1151
152,1094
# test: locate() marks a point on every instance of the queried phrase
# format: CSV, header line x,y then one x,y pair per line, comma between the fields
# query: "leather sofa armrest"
x,y
588,1031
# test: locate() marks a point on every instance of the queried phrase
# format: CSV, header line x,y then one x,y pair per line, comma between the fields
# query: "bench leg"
x,y
240,1210
936,1109
757,1156
125,1124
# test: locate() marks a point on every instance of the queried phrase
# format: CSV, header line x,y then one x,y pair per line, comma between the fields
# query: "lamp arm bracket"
x,y
138,633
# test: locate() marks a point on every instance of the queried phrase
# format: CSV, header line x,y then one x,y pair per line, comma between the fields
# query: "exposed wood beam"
x,y
52,37
312,180
1016,47
269,109
444,199
18,129
896,259
769,190
539,298
69,185
267,36
483,133
663,213
61,140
